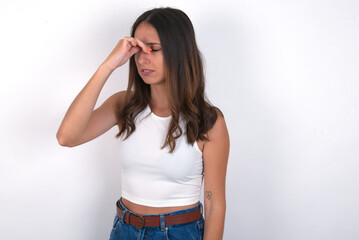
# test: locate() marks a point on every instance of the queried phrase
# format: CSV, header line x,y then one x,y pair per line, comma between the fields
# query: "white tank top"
x,y
155,177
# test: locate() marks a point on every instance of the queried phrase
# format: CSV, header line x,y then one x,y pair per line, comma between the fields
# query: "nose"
x,y
142,58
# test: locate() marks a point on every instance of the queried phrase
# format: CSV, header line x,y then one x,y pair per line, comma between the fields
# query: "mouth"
x,y
146,71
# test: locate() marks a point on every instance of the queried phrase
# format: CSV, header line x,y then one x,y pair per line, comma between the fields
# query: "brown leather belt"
x,y
140,221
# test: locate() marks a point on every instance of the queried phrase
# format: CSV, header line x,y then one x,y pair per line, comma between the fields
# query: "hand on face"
x,y
124,50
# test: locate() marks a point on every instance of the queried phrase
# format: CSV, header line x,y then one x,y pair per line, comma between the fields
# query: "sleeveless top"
x,y
152,176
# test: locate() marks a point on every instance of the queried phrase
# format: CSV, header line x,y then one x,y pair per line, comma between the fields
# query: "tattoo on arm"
x,y
208,194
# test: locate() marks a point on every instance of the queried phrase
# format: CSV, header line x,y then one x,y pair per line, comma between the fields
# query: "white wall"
x,y
285,74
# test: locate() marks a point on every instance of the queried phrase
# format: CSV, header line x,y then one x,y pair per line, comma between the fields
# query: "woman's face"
x,y
146,33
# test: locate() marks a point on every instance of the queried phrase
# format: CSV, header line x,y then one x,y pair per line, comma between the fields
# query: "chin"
x,y
153,82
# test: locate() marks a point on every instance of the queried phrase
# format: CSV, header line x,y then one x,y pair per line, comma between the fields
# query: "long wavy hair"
x,y
184,80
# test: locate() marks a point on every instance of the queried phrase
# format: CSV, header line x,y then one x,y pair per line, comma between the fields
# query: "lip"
x,y
147,73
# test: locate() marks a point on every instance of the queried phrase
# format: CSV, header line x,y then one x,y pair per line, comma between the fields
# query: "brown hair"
x,y
184,80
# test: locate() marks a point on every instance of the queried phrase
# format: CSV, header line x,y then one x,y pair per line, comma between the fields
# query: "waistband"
x,y
162,220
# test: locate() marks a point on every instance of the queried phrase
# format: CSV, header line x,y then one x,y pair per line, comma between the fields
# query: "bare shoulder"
x,y
107,112
219,130
218,137
116,99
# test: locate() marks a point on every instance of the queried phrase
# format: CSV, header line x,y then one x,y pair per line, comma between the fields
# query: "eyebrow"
x,y
152,43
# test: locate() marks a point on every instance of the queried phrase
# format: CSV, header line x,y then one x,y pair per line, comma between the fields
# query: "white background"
x,y
285,74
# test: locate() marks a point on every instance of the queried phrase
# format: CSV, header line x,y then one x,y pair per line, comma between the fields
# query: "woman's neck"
x,y
159,100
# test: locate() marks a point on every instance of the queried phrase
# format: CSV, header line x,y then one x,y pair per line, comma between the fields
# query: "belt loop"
x,y
162,222
123,215
201,206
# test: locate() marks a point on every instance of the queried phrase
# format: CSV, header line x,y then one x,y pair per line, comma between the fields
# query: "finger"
x,y
132,41
137,43
134,50
144,47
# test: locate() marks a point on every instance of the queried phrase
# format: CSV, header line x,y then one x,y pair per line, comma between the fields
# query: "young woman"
x,y
171,138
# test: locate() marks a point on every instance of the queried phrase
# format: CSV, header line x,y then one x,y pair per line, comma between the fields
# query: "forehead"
x,y
146,33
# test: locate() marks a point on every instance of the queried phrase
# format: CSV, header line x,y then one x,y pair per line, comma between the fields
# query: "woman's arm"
x,y
215,157
80,111
81,123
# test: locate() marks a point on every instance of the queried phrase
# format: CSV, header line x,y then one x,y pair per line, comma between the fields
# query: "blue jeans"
x,y
189,231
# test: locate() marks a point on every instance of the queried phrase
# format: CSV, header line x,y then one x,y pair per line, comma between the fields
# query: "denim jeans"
x,y
189,231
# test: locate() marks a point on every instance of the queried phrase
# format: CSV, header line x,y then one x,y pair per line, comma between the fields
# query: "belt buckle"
x,y
142,220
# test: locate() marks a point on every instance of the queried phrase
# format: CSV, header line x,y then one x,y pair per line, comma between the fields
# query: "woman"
x,y
171,138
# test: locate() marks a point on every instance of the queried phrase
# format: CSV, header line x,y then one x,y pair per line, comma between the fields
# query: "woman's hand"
x,y
124,49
